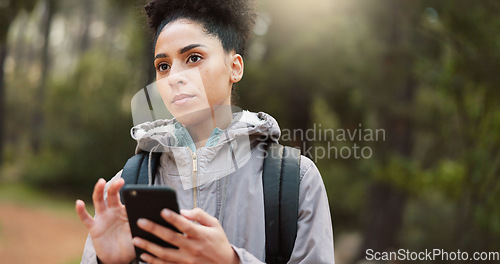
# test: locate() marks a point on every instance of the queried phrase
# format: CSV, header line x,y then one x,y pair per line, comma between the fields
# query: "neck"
x,y
220,116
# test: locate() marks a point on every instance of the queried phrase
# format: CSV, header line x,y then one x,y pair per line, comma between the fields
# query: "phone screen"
x,y
143,201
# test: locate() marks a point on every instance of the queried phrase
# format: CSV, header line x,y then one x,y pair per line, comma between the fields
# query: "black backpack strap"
x,y
289,204
130,172
271,177
136,170
280,179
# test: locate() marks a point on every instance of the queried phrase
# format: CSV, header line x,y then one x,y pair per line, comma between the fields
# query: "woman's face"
x,y
194,74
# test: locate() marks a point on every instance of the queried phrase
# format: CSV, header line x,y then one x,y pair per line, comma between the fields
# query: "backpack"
x,y
280,180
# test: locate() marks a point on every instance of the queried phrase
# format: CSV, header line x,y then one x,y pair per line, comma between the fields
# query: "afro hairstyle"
x,y
231,21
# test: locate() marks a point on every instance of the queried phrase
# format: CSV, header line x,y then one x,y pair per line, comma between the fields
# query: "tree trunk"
x,y
40,93
386,202
88,11
298,102
385,207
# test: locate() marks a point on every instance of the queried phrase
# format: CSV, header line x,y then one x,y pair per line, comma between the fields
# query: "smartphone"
x,y
144,201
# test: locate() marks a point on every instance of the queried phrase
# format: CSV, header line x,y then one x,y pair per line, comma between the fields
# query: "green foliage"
x,y
357,59
87,127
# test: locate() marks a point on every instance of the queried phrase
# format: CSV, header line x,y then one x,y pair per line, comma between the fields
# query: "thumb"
x,y
201,217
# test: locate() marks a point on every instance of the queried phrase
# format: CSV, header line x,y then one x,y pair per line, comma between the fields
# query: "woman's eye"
x,y
163,67
194,58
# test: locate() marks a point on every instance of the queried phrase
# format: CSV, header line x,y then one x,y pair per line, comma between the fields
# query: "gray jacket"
x,y
225,180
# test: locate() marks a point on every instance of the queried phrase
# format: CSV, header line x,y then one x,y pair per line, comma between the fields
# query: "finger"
x,y
200,216
98,196
114,193
181,223
152,260
83,214
166,234
162,254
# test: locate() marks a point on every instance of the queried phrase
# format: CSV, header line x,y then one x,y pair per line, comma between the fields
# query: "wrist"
x,y
235,259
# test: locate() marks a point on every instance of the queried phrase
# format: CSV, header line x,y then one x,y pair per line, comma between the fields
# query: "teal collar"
x,y
184,138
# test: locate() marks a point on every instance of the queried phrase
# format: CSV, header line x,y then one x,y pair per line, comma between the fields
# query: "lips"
x,y
181,99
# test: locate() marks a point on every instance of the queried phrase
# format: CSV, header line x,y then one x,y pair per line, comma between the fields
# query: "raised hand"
x,y
205,242
109,230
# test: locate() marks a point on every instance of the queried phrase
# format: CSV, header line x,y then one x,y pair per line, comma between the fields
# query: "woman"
x,y
211,156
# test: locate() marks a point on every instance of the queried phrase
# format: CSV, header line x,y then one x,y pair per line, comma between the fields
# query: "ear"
x,y
236,68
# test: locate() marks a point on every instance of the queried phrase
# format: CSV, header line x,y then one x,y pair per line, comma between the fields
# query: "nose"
x,y
177,77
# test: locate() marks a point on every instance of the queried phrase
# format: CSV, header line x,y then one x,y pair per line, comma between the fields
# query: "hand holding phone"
x,y
143,201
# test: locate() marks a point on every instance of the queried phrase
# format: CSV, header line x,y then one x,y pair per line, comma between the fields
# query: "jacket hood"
x,y
232,150
160,135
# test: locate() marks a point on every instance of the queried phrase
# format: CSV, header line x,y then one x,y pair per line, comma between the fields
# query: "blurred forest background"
x,y
427,72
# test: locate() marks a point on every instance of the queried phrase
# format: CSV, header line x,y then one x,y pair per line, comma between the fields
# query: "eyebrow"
x,y
160,55
181,51
190,47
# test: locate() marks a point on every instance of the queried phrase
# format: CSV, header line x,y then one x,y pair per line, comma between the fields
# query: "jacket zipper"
x,y
195,180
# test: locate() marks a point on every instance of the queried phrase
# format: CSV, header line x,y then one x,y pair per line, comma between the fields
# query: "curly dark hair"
x,y
232,21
